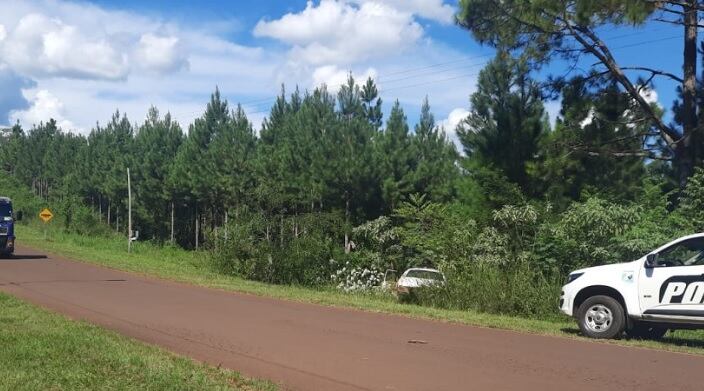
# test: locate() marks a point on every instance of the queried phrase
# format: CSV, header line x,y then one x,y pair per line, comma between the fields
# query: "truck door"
x,y
674,288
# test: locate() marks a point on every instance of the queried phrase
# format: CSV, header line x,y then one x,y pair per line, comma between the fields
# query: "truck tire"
x,y
646,330
601,317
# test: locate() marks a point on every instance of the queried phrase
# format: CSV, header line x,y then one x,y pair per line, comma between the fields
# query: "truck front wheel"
x,y
601,317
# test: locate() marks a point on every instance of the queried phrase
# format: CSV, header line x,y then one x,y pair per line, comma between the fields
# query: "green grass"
x,y
44,351
193,267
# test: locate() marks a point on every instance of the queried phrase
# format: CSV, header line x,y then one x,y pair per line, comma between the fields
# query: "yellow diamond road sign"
x,y
46,215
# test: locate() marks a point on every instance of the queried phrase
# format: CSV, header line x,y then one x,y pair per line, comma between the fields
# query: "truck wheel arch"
x,y
595,290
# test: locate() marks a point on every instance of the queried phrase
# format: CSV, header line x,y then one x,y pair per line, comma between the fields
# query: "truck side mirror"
x,y
19,215
651,260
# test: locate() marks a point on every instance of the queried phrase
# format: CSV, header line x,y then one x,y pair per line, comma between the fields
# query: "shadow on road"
x,y
570,330
22,257
694,341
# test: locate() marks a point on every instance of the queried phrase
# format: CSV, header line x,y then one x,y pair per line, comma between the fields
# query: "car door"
x,y
673,289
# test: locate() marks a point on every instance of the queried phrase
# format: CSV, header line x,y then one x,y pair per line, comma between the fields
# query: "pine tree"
x,y
12,142
192,169
396,159
506,121
232,153
371,103
579,157
155,147
435,170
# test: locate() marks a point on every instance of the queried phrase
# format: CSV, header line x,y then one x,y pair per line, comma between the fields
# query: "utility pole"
x,y
197,227
129,212
172,224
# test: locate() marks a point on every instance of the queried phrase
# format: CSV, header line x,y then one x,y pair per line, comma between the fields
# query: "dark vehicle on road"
x,y
7,226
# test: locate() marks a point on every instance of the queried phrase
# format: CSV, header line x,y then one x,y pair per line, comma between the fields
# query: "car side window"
x,y
689,252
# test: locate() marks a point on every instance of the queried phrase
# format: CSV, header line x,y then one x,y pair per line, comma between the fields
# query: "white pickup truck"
x,y
663,290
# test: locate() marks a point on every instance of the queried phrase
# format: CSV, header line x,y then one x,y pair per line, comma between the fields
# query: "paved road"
x,y
308,347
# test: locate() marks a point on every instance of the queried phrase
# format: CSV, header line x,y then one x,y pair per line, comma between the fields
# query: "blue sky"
x,y
80,61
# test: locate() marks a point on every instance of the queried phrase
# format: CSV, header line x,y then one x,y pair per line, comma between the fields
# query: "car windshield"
x,y
425,274
5,210
687,253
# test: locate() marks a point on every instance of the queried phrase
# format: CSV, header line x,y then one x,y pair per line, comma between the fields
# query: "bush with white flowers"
x,y
357,279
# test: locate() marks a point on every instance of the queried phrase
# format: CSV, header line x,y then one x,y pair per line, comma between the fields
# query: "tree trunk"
x,y
281,231
684,149
347,223
109,207
226,215
295,225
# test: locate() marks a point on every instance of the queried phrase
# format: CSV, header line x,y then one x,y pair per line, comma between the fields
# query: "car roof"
x,y
5,200
423,269
678,240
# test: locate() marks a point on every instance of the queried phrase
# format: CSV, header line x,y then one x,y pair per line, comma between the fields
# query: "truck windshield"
x,y
425,274
5,210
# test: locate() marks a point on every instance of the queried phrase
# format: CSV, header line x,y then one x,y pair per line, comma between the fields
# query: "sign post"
x,y
46,216
129,212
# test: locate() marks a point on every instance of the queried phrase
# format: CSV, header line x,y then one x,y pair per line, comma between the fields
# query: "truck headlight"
x,y
573,276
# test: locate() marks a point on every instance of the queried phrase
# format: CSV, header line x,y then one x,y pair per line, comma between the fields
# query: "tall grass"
x,y
518,290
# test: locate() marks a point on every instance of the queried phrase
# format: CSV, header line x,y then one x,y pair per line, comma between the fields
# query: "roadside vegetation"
x,y
43,351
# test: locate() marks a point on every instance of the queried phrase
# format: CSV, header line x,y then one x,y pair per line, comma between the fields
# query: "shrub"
x,y
485,287
244,249
692,201
587,234
351,278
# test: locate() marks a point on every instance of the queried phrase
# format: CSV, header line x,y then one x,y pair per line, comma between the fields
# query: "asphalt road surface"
x,y
309,347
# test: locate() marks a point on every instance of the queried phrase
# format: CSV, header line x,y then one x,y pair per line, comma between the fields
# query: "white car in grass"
x,y
661,291
415,278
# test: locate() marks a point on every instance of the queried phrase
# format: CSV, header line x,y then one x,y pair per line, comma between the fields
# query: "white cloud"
x,y
69,43
43,46
340,32
43,106
89,86
435,10
650,95
203,59
334,77
451,123
589,119
161,54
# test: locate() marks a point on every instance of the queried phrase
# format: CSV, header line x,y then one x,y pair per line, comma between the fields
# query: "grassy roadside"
x,y
191,267
44,351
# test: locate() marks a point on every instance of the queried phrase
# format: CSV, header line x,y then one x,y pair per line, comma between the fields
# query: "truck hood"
x,y
613,268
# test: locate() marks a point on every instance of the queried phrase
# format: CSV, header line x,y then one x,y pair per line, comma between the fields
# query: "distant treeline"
x,y
316,152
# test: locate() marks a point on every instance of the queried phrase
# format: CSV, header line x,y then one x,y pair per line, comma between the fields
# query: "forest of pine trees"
x,y
316,153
